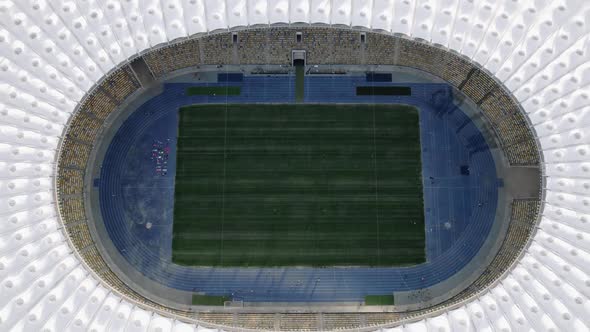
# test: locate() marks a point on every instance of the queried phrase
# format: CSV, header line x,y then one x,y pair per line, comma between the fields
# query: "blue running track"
x,y
459,208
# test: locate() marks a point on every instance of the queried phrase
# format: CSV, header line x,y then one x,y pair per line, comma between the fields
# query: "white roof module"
x,y
53,51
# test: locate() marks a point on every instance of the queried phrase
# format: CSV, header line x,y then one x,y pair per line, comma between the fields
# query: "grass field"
x,y
298,185
198,299
379,300
299,83
383,91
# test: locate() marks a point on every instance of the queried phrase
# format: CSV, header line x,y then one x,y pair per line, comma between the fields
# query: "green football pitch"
x,y
298,185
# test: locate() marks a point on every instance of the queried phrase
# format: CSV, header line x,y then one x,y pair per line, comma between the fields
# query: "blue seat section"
x,y
230,77
136,197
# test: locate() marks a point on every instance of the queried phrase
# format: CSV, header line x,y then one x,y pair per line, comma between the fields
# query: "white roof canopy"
x,y
53,51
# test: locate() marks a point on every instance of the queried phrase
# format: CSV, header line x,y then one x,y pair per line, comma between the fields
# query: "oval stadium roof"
x,y
53,51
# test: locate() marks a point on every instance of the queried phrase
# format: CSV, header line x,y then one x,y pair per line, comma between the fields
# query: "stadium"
x,y
302,165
